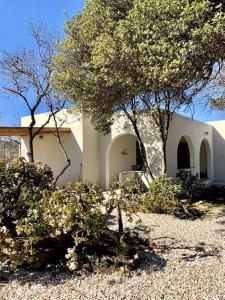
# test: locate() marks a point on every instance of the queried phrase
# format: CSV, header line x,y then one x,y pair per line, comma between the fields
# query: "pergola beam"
x,y
24,131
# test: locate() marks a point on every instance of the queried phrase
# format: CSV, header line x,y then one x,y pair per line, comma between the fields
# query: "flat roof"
x,y
24,131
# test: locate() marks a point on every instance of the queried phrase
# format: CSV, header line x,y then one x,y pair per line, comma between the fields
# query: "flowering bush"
x,y
190,183
41,225
22,185
72,216
162,195
125,197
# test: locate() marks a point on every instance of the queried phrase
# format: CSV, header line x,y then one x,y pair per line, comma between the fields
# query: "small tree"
x,y
27,75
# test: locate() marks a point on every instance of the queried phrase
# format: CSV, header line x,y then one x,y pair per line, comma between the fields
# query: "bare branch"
x,y
68,161
27,75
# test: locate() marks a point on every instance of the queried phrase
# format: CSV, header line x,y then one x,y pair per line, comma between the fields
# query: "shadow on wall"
x,y
219,156
48,150
182,153
153,144
205,160
188,160
122,154
185,154
75,154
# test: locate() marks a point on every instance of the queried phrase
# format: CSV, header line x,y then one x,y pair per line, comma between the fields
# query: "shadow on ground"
x,y
155,261
45,278
221,214
186,252
142,229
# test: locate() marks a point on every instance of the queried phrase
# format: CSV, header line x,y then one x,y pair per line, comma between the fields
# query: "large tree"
x,y
154,54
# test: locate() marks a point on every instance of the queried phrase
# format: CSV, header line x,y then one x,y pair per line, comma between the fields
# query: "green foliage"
x,y
137,55
162,195
72,215
127,195
102,122
122,248
126,198
118,49
134,55
41,225
189,183
22,185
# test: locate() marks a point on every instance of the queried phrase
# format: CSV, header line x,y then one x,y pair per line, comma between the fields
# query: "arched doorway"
x,y
185,154
122,155
205,160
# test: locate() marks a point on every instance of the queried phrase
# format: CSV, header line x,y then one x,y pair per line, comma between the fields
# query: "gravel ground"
x,y
189,263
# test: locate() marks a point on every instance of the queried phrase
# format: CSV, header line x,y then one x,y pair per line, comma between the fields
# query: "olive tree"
x,y
135,55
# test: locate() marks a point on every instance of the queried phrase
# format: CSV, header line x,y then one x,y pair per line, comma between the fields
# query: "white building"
x,y
191,144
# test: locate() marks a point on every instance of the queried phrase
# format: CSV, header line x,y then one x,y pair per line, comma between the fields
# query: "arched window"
x,y
183,155
205,160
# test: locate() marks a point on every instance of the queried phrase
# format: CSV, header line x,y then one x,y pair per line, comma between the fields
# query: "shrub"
x,y
190,183
127,195
22,185
67,227
59,221
162,195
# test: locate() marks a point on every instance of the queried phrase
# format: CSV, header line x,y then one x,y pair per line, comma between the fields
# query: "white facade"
x,y
191,144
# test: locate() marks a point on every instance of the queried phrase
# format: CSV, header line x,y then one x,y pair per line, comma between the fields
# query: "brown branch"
x,y
19,94
68,160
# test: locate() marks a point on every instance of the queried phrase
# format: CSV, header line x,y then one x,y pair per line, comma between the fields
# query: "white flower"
x,y
73,266
70,250
57,232
3,229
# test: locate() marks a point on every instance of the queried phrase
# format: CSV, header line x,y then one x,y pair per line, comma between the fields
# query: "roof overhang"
x,y
24,131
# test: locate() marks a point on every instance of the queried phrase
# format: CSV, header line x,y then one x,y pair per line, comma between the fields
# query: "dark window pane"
x,y
183,156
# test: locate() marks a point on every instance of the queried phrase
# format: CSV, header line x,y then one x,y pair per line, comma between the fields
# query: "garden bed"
x,y
188,262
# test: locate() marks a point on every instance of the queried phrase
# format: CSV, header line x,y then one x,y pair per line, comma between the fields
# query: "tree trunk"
x,y
31,147
166,126
120,220
163,123
142,149
164,158
31,136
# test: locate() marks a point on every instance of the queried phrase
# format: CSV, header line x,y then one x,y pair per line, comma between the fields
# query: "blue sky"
x,y
15,17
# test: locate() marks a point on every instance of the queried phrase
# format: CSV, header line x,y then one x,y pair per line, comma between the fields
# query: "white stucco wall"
x,y
122,156
47,149
121,127
97,157
219,149
195,132
91,152
120,130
